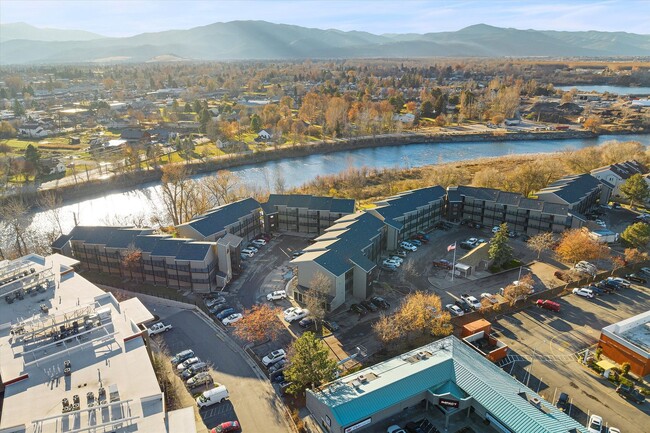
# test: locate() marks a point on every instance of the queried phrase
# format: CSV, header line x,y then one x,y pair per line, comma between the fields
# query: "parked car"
x,y
408,246
454,310
595,424
297,254
490,297
247,255
645,271
389,268
274,357
471,301
332,326
389,262
357,308
636,278
185,364
597,290
157,328
630,393
306,322
182,356
442,263
466,245
563,401
194,369
236,317
548,305
297,314
214,301
258,242
248,252
415,242
278,366
200,379
289,311
402,253
225,313
212,396
602,285
412,427
276,295
620,281
395,429
219,308
397,259
495,229
250,249
369,306
463,306
227,427
584,292
380,302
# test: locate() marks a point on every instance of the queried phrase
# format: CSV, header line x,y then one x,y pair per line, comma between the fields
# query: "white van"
x,y
212,396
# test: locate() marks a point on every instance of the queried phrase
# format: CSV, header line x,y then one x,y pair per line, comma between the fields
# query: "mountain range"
x,y
240,40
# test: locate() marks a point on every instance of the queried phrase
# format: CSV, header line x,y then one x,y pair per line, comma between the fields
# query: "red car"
x,y
548,305
442,263
227,427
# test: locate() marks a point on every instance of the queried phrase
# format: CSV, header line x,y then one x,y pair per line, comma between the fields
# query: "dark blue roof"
x,y
61,241
147,243
124,238
339,205
393,208
218,218
167,247
95,235
193,251
572,188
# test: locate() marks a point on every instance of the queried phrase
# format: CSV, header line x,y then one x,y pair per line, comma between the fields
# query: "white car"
x,y
277,295
251,248
289,311
232,319
595,424
389,262
157,328
248,251
495,229
472,241
408,246
183,365
613,430
472,301
395,429
490,297
297,314
398,259
586,293
246,255
274,357
258,242
454,310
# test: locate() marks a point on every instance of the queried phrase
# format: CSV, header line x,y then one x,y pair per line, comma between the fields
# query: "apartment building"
x,y
617,174
303,213
579,192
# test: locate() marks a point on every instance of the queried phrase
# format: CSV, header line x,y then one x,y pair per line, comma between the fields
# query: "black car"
x,y
466,245
412,427
369,306
604,287
380,302
463,306
306,322
563,401
218,309
636,278
332,326
611,284
356,308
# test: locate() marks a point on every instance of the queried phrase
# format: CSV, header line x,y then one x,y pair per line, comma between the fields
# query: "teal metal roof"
x,y
452,367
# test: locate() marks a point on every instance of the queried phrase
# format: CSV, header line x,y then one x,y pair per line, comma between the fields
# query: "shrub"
x,y
625,368
599,351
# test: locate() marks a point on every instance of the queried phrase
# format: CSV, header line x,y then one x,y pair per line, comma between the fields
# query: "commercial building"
x,y
444,379
491,207
629,341
346,255
410,212
74,359
139,255
579,192
303,213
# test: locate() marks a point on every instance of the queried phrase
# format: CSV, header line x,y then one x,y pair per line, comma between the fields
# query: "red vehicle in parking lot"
x,y
548,305
442,263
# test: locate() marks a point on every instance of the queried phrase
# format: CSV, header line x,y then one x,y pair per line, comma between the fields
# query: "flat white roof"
x,y
634,330
73,320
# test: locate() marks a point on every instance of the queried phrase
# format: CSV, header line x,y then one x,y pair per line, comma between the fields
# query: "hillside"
x,y
238,40
13,31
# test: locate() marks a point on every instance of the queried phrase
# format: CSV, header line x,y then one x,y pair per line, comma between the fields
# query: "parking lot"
x,y
552,339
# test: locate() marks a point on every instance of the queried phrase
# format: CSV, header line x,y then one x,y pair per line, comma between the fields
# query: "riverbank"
x,y
132,180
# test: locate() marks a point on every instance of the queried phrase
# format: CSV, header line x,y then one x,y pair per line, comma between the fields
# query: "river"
x,y
297,171
617,90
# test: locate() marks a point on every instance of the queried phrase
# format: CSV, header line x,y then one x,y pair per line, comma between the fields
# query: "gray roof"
x,y
347,247
453,367
572,188
624,170
193,251
331,204
394,208
216,220
61,241
123,238
94,235
146,243
168,247
511,199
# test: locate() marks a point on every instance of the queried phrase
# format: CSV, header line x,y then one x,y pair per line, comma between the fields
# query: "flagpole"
x,y
453,264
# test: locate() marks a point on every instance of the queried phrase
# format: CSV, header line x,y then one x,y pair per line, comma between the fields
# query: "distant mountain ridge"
x,y
12,31
240,40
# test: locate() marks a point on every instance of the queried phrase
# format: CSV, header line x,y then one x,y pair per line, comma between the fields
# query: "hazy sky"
x,y
125,18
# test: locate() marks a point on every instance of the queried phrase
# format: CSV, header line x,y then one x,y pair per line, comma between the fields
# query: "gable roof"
x,y
331,204
623,170
216,220
193,251
448,360
573,188
396,207
94,235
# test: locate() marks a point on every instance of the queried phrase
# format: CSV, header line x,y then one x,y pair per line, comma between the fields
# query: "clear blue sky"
x,y
125,18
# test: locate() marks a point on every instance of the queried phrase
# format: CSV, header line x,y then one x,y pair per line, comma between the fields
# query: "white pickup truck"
x,y
157,328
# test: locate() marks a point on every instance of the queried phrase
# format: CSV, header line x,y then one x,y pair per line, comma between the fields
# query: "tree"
x,y
427,109
14,223
420,312
7,130
309,364
500,252
387,330
637,235
636,189
132,260
519,291
256,123
633,256
316,297
576,245
593,123
541,242
33,156
259,324
181,197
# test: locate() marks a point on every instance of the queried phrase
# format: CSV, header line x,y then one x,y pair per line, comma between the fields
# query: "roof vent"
x,y
422,354
362,378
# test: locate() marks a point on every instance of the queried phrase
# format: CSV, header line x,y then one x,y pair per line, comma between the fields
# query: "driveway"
x,y
553,338
252,399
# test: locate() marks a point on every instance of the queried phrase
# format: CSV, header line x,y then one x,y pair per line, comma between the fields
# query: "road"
x,y
252,399
557,336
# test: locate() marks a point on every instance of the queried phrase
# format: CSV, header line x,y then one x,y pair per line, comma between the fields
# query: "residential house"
x,y
347,255
617,174
33,130
264,135
52,166
303,213
135,136
410,212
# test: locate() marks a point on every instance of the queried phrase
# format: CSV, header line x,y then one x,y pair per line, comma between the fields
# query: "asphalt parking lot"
x,y
552,339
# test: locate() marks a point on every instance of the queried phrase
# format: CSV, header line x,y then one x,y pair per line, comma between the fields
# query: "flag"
x,y
451,247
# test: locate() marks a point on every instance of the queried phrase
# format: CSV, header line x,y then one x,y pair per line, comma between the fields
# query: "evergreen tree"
x,y
500,252
256,123
636,189
637,235
309,364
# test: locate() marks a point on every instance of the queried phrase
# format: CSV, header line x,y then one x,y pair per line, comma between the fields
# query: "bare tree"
x,y
316,297
223,187
12,215
541,242
51,202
